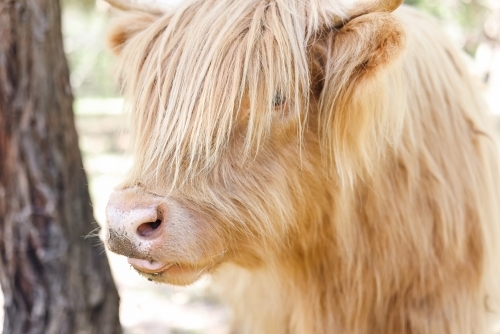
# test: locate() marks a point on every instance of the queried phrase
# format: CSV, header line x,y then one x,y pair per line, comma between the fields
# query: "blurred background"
x,y
474,26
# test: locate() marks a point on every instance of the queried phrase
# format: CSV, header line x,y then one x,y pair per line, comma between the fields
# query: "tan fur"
x,y
366,202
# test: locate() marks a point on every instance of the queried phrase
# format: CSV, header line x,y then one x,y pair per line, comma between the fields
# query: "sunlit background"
x,y
150,308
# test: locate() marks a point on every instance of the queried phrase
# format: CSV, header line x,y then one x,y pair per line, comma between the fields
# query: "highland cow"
x,y
329,163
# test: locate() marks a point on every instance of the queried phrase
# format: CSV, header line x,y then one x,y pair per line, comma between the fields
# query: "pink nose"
x,y
137,216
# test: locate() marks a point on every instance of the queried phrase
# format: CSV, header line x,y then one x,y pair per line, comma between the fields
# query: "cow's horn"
x,y
368,6
128,6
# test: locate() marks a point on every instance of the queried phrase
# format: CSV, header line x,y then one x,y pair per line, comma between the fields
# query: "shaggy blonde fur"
x,y
348,171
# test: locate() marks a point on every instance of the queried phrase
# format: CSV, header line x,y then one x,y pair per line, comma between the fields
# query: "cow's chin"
x,y
173,273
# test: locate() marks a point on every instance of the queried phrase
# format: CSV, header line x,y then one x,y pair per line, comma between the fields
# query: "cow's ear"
x,y
126,27
362,95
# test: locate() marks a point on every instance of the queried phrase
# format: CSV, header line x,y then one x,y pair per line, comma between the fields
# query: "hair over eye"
x,y
278,99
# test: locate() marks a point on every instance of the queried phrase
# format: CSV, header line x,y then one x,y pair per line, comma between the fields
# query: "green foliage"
x,y
463,17
91,64
81,4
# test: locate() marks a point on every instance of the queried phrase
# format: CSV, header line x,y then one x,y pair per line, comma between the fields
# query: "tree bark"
x,y
53,279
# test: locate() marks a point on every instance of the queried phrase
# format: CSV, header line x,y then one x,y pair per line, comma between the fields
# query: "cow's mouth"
x,y
172,273
149,267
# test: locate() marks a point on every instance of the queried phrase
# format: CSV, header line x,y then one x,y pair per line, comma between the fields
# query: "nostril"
x,y
148,229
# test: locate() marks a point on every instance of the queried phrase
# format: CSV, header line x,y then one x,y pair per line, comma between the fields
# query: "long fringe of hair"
x,y
228,49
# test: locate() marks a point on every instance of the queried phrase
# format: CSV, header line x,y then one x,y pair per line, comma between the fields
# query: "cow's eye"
x,y
278,99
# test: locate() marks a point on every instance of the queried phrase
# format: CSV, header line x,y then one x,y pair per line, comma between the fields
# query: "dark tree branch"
x,y
54,281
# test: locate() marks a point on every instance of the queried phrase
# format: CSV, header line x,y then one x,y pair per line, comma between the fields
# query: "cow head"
x,y
248,117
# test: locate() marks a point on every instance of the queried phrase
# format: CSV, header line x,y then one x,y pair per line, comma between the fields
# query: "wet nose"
x,y
142,217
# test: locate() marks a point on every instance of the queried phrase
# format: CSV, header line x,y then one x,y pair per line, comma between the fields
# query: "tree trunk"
x,y
53,279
